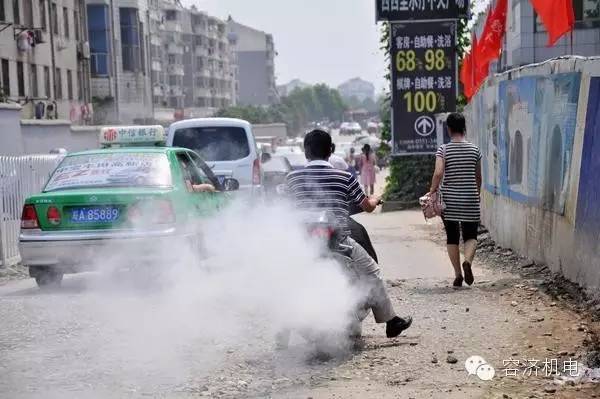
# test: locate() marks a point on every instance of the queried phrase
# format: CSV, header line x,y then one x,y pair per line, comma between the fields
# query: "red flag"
x,y
466,75
493,32
481,66
557,16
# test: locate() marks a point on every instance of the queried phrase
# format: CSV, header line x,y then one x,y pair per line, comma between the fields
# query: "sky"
x,y
317,41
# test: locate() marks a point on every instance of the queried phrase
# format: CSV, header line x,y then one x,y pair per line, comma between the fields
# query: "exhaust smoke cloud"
x,y
116,332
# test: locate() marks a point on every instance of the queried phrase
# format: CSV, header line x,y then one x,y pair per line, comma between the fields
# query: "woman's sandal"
x,y
469,279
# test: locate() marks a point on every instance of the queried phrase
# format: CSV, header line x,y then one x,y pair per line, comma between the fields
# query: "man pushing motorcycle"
x,y
320,187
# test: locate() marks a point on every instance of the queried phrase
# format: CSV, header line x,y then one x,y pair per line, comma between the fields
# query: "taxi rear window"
x,y
111,170
223,143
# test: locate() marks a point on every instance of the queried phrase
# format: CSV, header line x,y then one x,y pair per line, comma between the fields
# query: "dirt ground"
x,y
504,317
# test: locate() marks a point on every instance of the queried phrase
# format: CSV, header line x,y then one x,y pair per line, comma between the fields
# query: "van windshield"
x,y
223,143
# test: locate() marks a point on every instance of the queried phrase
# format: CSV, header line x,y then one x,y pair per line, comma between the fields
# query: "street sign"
x,y
403,10
423,82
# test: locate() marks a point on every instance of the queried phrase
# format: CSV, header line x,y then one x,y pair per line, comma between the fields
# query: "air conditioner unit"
x,y
85,50
61,44
38,36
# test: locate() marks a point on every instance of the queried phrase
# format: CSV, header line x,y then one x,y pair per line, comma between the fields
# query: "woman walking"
x,y
458,169
368,163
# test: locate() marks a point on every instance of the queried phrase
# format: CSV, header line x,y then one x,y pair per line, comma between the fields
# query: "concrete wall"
x,y
20,137
39,137
540,184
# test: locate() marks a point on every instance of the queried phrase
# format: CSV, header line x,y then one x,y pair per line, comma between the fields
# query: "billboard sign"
x,y
423,82
406,10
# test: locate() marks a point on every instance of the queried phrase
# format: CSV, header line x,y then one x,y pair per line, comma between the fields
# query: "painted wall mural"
x,y
533,149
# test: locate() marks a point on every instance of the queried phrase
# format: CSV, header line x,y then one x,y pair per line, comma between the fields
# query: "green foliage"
x,y
296,110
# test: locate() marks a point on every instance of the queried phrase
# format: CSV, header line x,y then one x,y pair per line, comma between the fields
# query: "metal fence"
x,y
19,177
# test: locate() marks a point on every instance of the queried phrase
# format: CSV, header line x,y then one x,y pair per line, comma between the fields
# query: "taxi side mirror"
x,y
230,184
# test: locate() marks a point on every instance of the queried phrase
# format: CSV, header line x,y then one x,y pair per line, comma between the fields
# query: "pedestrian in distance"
x,y
458,176
318,186
352,162
368,166
336,161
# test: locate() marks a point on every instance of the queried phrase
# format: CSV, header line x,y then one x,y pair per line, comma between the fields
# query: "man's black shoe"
x,y
395,326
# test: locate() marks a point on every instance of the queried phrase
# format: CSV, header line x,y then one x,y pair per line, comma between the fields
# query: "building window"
x,y
171,15
130,39
2,11
5,77
69,84
43,22
79,86
587,14
54,18
16,14
58,84
28,13
98,30
47,82
66,21
34,81
20,79
76,25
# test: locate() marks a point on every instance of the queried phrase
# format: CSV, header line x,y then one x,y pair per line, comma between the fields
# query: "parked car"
x,y
227,145
135,201
297,159
350,128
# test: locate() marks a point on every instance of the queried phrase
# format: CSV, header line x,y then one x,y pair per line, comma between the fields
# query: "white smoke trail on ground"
x,y
261,275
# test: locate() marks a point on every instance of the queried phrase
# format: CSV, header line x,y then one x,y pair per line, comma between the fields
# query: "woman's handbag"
x,y
432,204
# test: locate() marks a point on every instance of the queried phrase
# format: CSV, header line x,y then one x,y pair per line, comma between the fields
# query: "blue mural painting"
x,y
536,129
588,200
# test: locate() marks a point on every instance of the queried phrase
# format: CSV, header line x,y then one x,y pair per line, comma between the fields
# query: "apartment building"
x,y
44,58
358,88
192,71
255,57
120,71
526,40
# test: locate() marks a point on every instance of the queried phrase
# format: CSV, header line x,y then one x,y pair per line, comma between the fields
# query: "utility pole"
x,y
115,63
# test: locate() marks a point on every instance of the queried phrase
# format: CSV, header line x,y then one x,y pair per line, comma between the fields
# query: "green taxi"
x,y
133,200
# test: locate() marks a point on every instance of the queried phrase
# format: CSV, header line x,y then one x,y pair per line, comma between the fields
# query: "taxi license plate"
x,y
94,214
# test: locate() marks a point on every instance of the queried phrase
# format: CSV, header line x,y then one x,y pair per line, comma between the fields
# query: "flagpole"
x,y
571,36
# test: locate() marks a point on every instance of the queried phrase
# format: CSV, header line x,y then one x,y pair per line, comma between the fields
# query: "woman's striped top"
x,y
459,187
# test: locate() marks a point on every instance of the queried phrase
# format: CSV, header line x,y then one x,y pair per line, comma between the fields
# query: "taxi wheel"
x,y
48,279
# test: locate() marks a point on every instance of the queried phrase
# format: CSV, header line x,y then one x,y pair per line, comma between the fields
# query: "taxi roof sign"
x,y
132,135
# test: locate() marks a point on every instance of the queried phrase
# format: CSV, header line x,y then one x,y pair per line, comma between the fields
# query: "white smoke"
x,y
261,275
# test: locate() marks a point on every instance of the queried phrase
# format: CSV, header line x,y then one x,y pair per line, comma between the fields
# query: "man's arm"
x,y
438,175
357,196
369,204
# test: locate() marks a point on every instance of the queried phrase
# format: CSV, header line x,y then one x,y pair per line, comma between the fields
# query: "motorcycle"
x,y
323,227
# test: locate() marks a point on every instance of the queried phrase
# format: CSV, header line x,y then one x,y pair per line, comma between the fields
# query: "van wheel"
x,y
48,279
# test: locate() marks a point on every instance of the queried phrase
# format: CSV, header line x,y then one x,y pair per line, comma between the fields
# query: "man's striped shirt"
x,y
320,187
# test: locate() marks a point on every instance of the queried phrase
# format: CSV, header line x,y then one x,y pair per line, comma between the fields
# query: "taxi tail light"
x,y
164,212
53,215
256,172
29,219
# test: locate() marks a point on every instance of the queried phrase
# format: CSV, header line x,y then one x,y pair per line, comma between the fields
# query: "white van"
x,y
226,145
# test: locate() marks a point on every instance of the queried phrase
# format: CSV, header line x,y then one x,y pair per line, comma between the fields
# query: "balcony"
x,y
158,91
175,48
175,91
156,66
177,70
173,26
201,50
